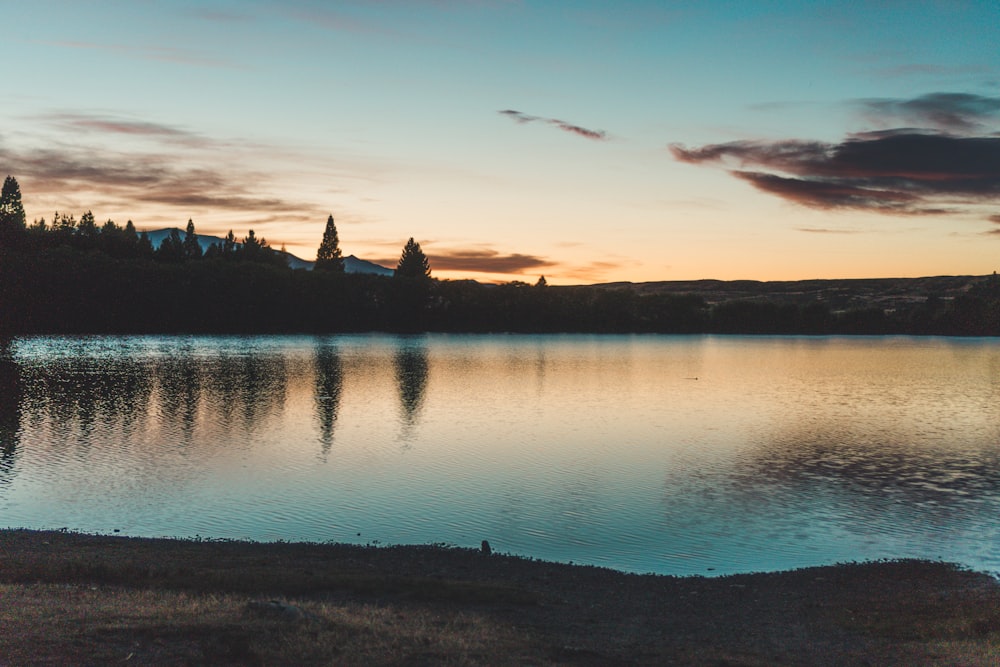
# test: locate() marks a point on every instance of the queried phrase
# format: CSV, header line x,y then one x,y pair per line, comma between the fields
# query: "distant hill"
x,y
352,264
837,294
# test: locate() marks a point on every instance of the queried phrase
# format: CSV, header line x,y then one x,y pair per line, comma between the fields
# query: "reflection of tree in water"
x,y
11,390
245,389
180,392
411,377
329,384
83,395
127,386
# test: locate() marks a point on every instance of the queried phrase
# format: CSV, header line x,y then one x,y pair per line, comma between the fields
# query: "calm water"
x,y
679,455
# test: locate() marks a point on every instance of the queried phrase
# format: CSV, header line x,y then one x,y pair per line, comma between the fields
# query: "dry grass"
x,y
80,599
74,624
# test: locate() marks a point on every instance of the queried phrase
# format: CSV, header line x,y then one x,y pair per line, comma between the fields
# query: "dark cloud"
x,y
831,194
995,219
133,128
950,112
484,261
520,117
894,171
143,178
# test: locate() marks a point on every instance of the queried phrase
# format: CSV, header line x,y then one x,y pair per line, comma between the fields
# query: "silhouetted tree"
x,y
171,247
131,241
145,246
413,262
63,227
229,245
329,257
87,225
213,251
542,282
111,240
192,249
12,219
86,231
252,247
38,228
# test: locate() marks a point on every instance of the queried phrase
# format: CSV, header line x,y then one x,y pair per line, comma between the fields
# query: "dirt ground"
x,y
68,598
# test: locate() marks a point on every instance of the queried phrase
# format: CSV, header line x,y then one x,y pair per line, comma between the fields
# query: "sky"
x,y
588,142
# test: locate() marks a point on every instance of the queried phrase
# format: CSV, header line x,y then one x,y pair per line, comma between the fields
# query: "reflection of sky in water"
x,y
667,454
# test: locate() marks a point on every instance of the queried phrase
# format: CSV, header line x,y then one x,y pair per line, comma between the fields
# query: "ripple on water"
x,y
594,450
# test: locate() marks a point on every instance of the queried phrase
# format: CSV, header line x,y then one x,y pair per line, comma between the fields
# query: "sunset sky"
x,y
584,141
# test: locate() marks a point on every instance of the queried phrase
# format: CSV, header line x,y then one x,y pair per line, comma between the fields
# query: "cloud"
x,y
474,260
144,178
902,171
520,117
592,272
144,168
995,219
950,112
77,122
823,230
484,261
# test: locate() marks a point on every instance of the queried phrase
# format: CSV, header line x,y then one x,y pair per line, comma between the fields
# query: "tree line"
x,y
75,276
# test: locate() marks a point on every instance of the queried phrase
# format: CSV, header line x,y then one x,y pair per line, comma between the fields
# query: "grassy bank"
x,y
68,598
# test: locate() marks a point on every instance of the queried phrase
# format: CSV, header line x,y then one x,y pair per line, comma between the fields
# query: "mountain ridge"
x,y
352,264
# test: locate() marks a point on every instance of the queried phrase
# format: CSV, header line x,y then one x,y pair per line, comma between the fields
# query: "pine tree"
x,y
252,247
86,231
63,227
329,257
229,245
145,245
192,249
112,239
413,262
12,218
171,247
131,240
213,251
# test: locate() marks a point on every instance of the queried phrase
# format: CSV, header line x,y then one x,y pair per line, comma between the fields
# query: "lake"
x,y
668,454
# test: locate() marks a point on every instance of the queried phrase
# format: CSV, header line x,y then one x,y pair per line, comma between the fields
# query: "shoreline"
x,y
708,572
76,597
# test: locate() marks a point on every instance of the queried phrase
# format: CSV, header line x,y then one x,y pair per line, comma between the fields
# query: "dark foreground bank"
x,y
68,598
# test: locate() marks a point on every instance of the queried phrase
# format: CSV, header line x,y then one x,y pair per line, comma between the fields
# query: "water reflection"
x,y
592,449
329,385
882,470
180,384
245,390
411,377
11,390
79,397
